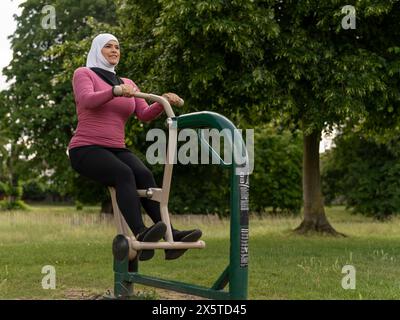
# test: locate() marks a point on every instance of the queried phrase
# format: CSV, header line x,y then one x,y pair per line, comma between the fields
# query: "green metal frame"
x,y
236,273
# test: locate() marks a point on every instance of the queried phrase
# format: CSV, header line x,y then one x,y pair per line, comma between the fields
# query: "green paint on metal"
x,y
214,154
222,281
177,286
122,289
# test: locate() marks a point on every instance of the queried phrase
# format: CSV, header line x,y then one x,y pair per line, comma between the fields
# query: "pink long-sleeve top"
x,y
101,116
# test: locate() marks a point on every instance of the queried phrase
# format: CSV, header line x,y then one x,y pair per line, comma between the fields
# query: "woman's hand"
x,y
128,90
173,99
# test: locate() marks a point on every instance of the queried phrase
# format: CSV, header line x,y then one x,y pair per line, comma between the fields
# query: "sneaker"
x,y
182,236
153,234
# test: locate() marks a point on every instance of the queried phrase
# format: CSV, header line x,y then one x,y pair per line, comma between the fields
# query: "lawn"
x,y
281,265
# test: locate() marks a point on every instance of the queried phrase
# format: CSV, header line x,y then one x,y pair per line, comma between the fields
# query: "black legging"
x,y
119,168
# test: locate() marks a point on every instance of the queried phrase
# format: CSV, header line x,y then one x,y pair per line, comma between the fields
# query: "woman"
x,y
104,102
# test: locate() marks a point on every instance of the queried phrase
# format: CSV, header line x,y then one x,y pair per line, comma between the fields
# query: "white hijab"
x,y
95,58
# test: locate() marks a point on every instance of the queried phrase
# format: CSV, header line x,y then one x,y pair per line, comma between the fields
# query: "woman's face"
x,y
111,52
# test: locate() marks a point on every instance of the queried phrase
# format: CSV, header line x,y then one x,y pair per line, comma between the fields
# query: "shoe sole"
x,y
154,235
171,254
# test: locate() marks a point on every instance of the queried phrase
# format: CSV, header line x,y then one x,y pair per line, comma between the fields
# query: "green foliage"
x,y
13,205
207,51
365,173
41,107
34,190
276,181
248,60
329,75
3,188
243,58
200,189
78,205
15,191
88,191
12,197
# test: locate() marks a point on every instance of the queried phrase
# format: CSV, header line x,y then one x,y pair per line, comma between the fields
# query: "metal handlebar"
x,y
152,97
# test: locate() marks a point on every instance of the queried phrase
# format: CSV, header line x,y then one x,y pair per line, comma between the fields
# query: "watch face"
x,y
117,91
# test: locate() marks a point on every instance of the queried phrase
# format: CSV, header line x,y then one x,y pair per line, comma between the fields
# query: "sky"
x,y
7,27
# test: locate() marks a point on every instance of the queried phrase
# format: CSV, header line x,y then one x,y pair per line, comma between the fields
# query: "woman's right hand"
x,y
128,90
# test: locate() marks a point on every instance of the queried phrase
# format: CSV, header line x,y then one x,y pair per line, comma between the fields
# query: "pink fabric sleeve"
x,y
143,111
84,92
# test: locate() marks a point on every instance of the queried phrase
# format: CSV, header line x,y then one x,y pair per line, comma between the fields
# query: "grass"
x,y
281,265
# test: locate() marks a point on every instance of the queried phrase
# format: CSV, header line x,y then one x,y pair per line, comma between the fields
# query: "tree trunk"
x,y
106,207
314,213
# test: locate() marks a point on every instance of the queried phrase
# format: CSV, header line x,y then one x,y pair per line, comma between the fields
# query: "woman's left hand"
x,y
173,99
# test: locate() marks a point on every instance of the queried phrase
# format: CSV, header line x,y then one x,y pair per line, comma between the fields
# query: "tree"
x,y
11,164
330,76
249,60
42,109
292,59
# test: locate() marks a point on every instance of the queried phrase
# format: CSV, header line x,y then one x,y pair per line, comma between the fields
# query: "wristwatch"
x,y
117,91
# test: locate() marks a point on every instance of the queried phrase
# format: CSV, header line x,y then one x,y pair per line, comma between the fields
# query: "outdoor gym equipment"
x,y
125,246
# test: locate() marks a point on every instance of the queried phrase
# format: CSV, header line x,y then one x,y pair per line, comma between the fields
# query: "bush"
x,y
200,189
12,197
276,180
34,190
3,189
13,205
78,205
366,174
